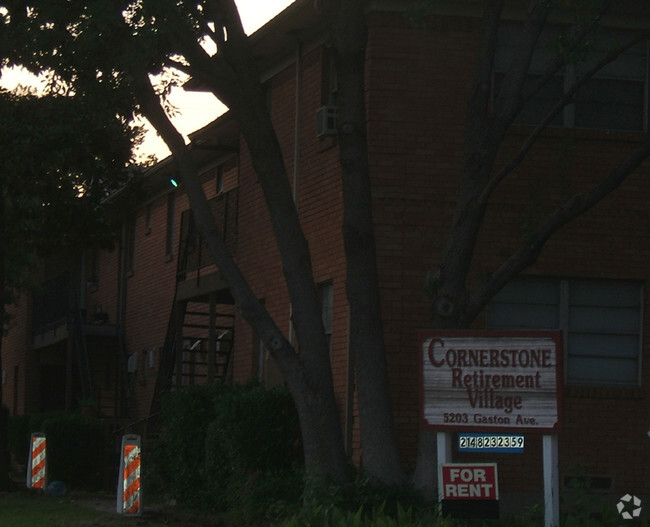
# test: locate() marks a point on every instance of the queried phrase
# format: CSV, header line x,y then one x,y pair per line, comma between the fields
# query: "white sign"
x,y
491,380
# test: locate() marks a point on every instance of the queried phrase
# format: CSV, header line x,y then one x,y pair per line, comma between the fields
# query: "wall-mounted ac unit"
x,y
326,121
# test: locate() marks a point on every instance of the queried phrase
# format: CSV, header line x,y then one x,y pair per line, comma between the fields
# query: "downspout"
x,y
296,152
82,282
120,316
121,278
349,396
297,121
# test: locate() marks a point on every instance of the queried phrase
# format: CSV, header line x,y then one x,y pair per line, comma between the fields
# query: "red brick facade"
x,y
417,89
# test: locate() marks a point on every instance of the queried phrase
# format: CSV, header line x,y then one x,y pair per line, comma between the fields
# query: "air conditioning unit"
x,y
326,121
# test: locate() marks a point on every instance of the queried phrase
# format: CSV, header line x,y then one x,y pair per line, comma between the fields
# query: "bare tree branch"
x,y
570,209
508,101
483,137
482,87
560,61
561,103
177,65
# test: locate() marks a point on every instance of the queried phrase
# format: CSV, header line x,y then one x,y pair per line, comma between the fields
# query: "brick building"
x,y
157,288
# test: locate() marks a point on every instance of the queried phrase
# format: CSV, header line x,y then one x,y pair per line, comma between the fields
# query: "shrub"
x,y
363,494
186,416
254,429
231,448
332,516
18,436
76,450
76,446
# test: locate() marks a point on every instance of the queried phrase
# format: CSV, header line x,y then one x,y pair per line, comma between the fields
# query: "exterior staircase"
x,y
200,333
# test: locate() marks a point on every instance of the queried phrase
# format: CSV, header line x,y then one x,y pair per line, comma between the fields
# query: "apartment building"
x,y
103,323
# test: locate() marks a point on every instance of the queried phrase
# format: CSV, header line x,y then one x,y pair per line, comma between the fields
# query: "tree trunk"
x,y
4,414
380,453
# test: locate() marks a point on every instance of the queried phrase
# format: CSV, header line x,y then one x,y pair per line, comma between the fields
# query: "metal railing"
x,y
193,251
52,301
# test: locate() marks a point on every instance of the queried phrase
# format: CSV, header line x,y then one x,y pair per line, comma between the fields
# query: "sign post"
x,y
551,482
494,381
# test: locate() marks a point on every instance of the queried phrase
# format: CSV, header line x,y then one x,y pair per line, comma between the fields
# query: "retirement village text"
x,y
495,379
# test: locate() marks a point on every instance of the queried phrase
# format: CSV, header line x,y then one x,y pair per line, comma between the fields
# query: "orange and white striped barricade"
x,y
37,463
129,493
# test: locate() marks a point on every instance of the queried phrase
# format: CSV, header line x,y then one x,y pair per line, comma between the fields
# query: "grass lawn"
x,y
27,509
32,509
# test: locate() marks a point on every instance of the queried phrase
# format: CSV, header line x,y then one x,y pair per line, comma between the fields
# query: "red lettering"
x,y
456,381
494,358
432,357
462,357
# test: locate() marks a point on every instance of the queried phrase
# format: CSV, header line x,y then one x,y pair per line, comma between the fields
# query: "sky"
x,y
199,109
195,109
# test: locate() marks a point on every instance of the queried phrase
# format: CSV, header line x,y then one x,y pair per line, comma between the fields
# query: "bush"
x,y
186,416
18,435
76,446
231,448
366,495
332,516
76,450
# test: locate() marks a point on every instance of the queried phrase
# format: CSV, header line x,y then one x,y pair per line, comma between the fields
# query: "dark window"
x,y
601,321
130,243
219,179
147,219
615,98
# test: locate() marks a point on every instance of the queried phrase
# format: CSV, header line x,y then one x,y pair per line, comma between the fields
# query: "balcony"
x,y
194,253
194,276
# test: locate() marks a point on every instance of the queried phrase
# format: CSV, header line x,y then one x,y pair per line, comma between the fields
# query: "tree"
x,y
60,156
380,453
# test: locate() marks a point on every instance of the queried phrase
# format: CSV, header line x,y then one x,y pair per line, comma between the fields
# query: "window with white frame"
x,y
615,98
601,321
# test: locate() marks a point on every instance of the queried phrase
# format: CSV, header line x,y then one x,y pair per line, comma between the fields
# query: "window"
x,y
601,321
169,233
147,219
329,79
130,243
326,291
219,179
615,98
92,267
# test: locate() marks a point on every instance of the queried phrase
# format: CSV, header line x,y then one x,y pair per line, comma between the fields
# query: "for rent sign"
x,y
462,481
491,380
